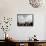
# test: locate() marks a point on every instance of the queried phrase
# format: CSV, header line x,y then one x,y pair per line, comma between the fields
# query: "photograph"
x,y
24,19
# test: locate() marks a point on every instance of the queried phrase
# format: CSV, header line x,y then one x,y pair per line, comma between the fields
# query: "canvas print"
x,y
24,19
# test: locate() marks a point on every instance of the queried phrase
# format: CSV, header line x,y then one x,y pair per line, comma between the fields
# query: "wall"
x,y
10,8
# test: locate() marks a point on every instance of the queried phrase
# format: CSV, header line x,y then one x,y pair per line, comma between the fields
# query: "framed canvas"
x,y
25,19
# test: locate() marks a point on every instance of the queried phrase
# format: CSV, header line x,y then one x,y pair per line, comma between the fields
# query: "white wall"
x,y
11,8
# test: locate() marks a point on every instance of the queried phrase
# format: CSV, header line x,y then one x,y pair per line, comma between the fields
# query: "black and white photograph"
x,y
24,19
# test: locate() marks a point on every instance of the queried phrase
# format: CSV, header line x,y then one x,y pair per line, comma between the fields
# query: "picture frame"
x,y
25,19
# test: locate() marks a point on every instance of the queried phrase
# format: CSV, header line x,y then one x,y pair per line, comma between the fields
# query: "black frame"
x,y
26,24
